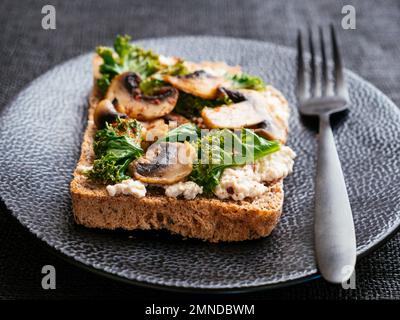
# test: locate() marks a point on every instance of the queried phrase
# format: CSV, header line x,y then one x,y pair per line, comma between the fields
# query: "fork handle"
x,y
335,240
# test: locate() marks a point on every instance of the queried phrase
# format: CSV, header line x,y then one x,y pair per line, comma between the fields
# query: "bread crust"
x,y
209,219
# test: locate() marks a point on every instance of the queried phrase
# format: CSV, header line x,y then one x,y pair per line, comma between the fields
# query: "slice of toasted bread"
x,y
204,218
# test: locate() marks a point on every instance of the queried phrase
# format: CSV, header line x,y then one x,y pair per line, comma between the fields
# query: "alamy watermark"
x,y
49,280
349,18
49,18
218,147
349,274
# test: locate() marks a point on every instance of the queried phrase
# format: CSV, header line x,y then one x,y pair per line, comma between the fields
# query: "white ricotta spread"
x,y
188,189
168,61
276,165
127,187
248,181
239,183
216,72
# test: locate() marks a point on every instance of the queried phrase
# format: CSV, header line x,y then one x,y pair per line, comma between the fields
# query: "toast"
x,y
205,217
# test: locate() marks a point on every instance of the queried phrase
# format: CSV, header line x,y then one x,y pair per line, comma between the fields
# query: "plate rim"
x,y
382,240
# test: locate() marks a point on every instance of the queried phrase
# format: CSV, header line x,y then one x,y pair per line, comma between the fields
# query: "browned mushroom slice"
x,y
154,129
235,116
125,90
198,83
164,163
270,130
175,120
105,112
252,110
249,110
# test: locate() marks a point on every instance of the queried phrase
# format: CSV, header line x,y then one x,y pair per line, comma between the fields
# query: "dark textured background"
x,y
372,51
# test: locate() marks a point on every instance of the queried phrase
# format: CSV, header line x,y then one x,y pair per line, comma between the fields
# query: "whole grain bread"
x,y
210,219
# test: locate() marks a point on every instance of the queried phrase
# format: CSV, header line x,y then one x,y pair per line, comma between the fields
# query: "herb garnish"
x,y
115,146
220,149
125,56
190,106
246,81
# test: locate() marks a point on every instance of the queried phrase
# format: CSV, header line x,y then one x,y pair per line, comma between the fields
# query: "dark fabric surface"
x,y
27,51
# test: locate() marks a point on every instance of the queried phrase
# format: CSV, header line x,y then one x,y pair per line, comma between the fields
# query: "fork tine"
x,y
315,83
327,88
301,72
341,88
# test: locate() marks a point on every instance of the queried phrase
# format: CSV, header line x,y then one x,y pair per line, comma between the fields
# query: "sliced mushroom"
x,y
249,110
235,95
270,130
105,112
158,128
174,120
125,90
198,83
164,163
154,129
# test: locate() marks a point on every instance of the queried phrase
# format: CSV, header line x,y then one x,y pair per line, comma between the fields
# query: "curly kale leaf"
x,y
125,57
190,106
115,147
155,82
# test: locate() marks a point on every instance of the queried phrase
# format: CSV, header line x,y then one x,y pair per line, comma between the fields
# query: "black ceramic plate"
x,y
41,132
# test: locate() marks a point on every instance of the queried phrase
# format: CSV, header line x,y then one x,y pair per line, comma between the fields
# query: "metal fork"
x,y
335,241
